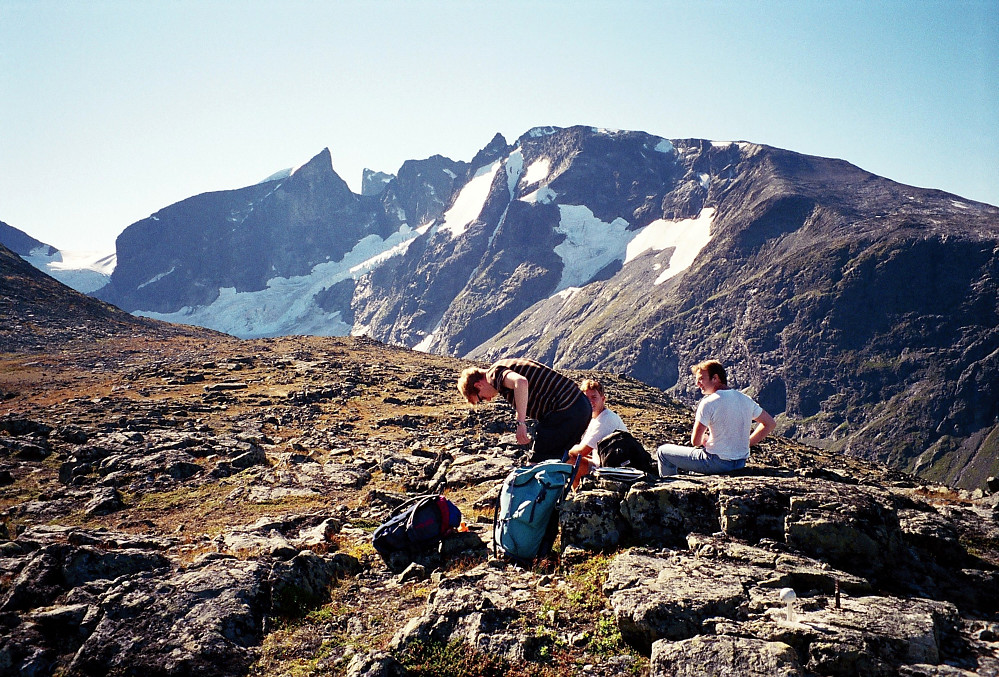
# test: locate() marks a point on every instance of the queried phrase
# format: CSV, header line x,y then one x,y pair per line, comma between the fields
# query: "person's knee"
x,y
667,469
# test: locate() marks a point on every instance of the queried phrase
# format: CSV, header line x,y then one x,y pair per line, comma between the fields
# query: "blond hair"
x,y
711,368
591,384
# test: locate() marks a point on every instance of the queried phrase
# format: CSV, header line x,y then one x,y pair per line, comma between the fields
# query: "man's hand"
x,y
522,436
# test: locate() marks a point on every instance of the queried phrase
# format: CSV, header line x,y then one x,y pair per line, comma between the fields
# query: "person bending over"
x,y
535,391
603,422
721,426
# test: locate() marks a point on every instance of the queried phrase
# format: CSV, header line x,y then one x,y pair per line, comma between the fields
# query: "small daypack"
x,y
524,520
417,525
620,449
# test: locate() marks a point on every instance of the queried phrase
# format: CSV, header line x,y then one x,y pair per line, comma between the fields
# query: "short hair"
x,y
591,384
712,368
467,380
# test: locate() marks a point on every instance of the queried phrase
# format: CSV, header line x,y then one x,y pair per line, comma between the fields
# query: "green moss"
x,y
454,659
606,640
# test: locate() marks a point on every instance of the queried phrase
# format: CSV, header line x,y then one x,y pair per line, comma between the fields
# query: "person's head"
x,y
473,386
594,393
709,376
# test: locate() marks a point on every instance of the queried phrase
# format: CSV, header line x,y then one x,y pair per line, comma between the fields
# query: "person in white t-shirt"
x,y
603,422
721,426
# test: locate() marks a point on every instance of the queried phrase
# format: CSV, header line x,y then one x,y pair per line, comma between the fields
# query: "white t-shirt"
x,y
600,427
729,416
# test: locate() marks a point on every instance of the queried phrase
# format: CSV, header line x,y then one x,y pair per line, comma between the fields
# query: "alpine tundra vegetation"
x,y
177,501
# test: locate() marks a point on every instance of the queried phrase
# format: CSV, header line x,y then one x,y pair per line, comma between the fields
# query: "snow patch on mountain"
x,y
536,132
665,146
427,343
514,169
84,271
287,305
688,236
278,176
543,195
470,201
156,278
537,171
589,245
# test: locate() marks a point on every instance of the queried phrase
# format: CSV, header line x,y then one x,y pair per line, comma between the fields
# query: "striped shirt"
x,y
547,390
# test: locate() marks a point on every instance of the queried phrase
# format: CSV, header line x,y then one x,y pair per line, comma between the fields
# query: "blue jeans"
x,y
673,457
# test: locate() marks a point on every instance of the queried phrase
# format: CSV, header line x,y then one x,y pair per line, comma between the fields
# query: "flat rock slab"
x,y
724,657
670,597
204,620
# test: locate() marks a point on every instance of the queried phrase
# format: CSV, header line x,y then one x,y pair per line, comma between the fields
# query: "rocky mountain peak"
x,y
627,252
373,183
318,174
495,149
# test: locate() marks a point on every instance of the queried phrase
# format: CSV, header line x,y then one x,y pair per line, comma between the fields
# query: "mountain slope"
x,y
280,257
39,313
83,271
861,311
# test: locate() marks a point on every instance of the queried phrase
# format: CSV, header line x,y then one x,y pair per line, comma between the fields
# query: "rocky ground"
x,y
196,504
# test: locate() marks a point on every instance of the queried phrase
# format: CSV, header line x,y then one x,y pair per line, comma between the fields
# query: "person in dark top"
x,y
535,391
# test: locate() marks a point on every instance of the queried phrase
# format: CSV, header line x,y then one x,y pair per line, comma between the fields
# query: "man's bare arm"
x,y
766,426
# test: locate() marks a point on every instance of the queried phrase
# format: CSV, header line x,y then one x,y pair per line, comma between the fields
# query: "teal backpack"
x,y
525,517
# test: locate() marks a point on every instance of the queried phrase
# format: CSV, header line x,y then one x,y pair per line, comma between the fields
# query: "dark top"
x,y
548,391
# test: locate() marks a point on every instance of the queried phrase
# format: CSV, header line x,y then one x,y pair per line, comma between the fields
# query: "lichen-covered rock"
x,y
787,570
856,530
472,470
303,581
480,608
203,620
665,512
105,501
375,664
57,568
925,670
724,657
593,520
656,597
751,509
868,635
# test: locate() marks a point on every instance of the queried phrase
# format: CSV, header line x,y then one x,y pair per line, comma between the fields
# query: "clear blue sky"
x,y
113,109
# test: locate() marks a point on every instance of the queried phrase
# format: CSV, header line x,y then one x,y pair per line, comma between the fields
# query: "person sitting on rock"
x,y
535,391
721,426
603,422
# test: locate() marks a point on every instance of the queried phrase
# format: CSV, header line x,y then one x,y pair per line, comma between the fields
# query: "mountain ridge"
x,y
627,252
176,501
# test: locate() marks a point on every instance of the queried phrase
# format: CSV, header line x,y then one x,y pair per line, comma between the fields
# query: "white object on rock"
x,y
788,596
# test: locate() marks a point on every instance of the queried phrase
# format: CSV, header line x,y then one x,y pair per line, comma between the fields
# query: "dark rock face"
x,y
220,605
21,243
373,183
182,255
